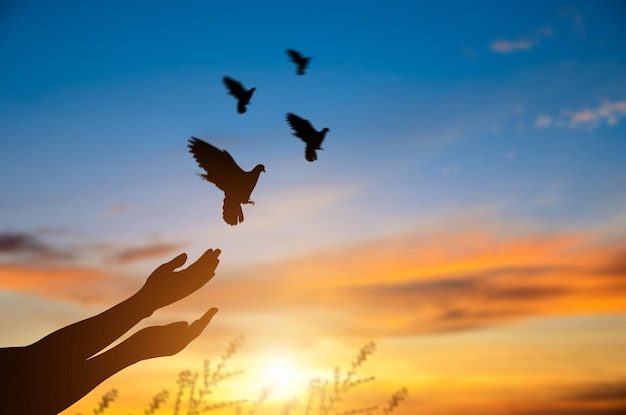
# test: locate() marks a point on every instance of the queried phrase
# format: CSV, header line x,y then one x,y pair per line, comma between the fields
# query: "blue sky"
x,y
447,120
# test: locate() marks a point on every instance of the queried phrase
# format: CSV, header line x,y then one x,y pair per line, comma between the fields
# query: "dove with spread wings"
x,y
236,89
308,134
301,62
222,170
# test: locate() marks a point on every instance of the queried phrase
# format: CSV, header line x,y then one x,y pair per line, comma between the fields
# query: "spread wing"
x,y
221,169
234,87
295,56
302,127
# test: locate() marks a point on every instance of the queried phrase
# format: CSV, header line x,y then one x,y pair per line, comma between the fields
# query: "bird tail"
x,y
300,70
241,107
309,153
233,214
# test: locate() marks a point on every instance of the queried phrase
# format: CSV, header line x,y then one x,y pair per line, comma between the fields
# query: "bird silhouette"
x,y
236,89
297,58
222,171
308,134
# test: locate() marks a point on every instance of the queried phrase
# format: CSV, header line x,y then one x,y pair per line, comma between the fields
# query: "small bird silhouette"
x,y
238,91
297,58
308,134
222,171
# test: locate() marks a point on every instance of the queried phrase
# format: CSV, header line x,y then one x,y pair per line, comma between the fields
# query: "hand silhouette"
x,y
166,286
158,341
66,364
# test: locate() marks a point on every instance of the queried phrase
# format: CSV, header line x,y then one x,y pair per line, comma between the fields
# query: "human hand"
x,y
166,286
158,341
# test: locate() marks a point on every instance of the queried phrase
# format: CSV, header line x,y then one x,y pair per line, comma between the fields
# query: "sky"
x,y
467,213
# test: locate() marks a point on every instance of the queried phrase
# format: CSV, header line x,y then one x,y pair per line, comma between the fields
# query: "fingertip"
x,y
180,259
203,321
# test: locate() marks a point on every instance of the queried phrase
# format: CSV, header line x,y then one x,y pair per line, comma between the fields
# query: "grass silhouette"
x,y
321,396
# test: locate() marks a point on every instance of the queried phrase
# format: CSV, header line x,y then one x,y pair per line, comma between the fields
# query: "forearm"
x,y
85,338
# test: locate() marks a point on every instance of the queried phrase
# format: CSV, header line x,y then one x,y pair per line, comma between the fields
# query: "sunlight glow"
x,y
285,378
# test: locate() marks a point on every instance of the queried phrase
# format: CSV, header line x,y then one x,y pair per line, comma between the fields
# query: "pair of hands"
x,y
166,286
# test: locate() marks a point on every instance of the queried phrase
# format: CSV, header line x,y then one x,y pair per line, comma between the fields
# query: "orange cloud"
x,y
420,282
146,252
65,283
440,281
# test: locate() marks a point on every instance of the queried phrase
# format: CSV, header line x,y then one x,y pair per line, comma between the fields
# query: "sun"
x,y
280,371
284,377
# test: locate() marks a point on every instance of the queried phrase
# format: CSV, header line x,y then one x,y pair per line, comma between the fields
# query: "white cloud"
x,y
525,42
583,117
612,111
506,46
543,121
608,112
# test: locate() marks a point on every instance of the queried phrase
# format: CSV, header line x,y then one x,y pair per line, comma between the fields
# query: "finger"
x,y
176,262
209,259
199,325
210,254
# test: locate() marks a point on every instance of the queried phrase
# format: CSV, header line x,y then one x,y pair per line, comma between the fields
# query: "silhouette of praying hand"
x,y
166,286
158,341
69,363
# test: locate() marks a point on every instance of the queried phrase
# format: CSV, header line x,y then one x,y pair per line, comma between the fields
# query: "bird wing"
x,y
234,87
221,169
302,127
295,56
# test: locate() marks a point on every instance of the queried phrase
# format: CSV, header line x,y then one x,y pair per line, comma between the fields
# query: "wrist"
x,y
141,304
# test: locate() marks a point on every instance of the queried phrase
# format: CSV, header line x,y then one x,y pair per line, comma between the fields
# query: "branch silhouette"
x,y
65,365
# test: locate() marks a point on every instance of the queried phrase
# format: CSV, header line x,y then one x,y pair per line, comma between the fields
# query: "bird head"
x,y
259,168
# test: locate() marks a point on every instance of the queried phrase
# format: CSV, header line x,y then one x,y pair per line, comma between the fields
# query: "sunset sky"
x,y
467,213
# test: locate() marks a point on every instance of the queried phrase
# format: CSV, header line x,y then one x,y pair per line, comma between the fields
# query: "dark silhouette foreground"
x,y
50,375
222,170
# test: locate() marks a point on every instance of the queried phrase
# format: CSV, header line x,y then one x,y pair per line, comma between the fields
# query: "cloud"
x,y
543,121
118,209
611,391
607,112
19,244
59,231
62,283
146,252
506,46
439,281
612,111
607,398
27,268
525,42
447,279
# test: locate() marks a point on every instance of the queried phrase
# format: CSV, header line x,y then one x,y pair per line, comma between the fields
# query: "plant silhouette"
x,y
236,89
222,170
308,134
65,365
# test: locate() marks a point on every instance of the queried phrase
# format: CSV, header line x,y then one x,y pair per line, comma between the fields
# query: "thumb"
x,y
175,263
197,326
